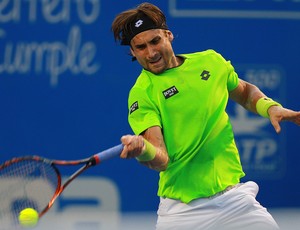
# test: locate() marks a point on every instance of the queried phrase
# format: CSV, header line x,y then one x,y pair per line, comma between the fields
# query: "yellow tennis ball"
x,y
28,217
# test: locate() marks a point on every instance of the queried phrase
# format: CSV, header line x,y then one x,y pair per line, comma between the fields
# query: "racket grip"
x,y
108,153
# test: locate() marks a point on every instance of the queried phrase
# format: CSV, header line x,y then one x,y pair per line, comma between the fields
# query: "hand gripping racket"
x,y
35,182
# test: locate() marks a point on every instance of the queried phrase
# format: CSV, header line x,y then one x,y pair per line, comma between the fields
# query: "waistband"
x,y
224,191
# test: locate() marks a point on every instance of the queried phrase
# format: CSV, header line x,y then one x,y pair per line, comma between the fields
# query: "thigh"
x,y
241,210
235,209
175,215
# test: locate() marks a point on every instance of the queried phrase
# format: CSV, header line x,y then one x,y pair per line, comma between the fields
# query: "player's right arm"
x,y
149,143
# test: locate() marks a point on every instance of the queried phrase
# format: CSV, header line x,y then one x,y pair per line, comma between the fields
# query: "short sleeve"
x,y
232,76
143,113
233,79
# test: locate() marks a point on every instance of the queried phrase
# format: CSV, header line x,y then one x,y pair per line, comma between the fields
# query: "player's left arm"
x,y
247,95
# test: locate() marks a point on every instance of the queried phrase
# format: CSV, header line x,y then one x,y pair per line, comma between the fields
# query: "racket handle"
x,y
108,153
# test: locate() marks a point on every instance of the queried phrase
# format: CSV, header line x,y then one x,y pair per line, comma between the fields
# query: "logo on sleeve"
x,y
134,107
170,92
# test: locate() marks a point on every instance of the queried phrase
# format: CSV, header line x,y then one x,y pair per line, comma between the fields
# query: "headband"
x,y
140,24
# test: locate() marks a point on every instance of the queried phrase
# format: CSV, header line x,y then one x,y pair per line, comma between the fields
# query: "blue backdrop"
x,y
64,84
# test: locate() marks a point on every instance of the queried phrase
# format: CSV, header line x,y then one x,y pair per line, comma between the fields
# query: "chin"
x,y
157,70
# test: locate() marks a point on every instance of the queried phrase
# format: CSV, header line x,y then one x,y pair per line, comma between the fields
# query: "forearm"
x,y
148,148
251,95
258,102
153,157
252,98
247,95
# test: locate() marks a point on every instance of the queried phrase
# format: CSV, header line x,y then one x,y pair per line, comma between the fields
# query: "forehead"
x,y
147,36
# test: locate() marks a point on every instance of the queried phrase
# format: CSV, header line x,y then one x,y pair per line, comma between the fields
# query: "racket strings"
x,y
25,183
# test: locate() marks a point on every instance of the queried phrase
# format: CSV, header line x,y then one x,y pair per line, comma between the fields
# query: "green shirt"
x,y
188,102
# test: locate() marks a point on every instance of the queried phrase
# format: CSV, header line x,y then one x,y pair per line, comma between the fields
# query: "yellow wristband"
x,y
263,104
149,152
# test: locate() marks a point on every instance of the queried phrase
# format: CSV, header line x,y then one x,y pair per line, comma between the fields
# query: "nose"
x,y
151,52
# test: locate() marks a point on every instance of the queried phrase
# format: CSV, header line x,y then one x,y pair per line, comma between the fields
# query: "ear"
x,y
170,35
132,52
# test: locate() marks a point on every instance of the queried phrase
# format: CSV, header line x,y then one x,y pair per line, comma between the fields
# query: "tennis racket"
x,y
36,182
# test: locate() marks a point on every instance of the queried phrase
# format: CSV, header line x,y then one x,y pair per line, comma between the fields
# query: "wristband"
x,y
263,104
149,153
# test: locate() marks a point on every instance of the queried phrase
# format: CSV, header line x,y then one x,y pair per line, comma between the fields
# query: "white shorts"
x,y
235,209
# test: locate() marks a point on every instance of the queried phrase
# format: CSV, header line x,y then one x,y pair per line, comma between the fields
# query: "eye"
x,y
140,47
156,40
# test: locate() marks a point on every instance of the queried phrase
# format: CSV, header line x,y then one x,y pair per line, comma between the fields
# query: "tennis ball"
x,y
28,217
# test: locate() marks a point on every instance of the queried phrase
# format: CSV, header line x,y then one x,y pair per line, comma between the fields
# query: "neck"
x,y
178,60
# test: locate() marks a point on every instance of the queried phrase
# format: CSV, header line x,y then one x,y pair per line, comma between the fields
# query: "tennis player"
x,y
177,112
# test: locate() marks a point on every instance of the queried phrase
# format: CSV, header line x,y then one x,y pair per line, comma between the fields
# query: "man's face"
x,y
153,50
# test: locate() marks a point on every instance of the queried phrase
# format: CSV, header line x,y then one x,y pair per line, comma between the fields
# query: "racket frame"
x,y
87,163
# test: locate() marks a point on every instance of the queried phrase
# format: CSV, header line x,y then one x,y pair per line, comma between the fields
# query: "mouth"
x,y
153,62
